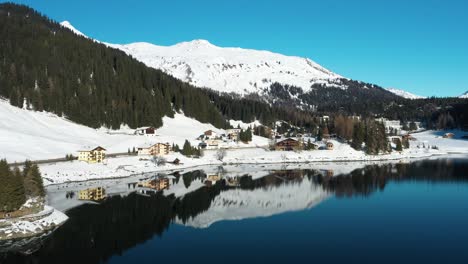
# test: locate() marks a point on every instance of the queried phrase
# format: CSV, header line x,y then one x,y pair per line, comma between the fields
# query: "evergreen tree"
x,y
358,135
399,146
187,149
33,182
12,194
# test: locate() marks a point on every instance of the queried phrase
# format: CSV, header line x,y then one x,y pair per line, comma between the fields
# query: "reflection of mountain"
x,y
94,233
236,204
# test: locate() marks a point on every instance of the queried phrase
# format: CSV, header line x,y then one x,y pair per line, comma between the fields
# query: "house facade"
x,y
158,149
96,155
210,134
233,133
288,144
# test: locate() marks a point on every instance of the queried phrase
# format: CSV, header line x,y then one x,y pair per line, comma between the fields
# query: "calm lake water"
x,y
396,213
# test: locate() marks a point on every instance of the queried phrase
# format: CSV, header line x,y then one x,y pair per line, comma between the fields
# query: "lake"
x,y
385,213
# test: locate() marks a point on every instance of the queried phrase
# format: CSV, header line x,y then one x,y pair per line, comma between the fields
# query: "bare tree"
x,y
221,154
159,161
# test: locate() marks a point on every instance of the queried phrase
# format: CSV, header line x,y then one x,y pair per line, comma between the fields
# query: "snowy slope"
x,y
465,95
240,204
404,94
242,71
26,134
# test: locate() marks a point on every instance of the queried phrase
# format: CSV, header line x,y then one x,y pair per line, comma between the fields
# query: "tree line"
x,y
19,185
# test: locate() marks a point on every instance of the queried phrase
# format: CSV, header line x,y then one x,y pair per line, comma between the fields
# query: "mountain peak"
x,y
196,43
67,24
464,95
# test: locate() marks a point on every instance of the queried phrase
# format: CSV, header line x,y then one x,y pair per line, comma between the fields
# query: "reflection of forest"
x,y
372,178
96,232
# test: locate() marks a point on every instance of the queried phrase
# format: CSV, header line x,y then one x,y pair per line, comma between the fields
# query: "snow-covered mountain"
x,y
236,70
465,95
404,94
240,204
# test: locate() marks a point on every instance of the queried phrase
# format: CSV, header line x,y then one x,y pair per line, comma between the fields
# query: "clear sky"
x,y
417,45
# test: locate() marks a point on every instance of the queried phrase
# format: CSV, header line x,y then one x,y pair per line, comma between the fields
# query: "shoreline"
x,y
24,228
366,159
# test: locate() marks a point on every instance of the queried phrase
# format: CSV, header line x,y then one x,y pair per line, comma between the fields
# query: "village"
x,y
235,142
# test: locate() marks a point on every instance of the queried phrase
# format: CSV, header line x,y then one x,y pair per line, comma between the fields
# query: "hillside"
x,y
60,71
26,134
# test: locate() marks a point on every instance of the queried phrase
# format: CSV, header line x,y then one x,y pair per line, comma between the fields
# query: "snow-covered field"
x,y
26,134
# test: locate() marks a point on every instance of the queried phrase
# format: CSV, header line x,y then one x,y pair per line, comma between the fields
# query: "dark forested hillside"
x,y
88,82
44,66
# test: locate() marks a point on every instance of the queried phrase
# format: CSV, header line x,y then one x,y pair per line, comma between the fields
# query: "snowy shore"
x,y
31,225
73,171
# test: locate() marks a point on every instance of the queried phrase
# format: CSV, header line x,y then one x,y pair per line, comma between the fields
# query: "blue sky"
x,y
420,45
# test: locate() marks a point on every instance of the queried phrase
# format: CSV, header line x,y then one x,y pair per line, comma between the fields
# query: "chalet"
x,y
233,133
288,145
92,194
210,134
146,131
156,149
448,135
329,145
158,184
96,155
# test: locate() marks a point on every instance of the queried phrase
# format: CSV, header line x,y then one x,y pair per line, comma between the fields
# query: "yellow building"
x,y
92,194
96,155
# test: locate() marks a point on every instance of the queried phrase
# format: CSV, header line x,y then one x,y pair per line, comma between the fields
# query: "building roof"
x,y
89,149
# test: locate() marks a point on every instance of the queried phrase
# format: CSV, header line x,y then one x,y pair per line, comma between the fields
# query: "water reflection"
x,y
96,232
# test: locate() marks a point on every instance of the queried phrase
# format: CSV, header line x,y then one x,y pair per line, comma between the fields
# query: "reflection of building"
x,y
233,182
96,155
212,179
158,184
92,194
288,144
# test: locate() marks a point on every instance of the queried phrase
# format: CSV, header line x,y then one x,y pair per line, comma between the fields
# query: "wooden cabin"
x,y
288,144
